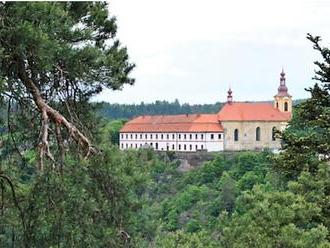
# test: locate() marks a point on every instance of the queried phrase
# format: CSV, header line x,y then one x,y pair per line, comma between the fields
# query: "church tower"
x,y
282,100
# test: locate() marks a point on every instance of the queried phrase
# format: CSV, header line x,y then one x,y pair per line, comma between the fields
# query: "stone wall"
x,y
247,135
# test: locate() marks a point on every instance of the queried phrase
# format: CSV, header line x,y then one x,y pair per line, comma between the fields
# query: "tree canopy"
x,y
59,52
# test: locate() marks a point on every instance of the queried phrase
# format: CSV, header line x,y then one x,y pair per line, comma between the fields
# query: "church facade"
x,y
237,126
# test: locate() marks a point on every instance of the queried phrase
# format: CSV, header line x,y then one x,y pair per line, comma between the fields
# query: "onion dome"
x,y
282,89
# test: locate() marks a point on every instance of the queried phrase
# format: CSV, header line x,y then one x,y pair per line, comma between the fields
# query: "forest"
x,y
127,111
65,183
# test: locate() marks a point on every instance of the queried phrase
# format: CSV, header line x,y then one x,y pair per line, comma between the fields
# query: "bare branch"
x,y
43,146
50,114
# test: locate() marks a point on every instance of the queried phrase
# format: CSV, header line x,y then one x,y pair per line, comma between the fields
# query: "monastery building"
x,y
237,126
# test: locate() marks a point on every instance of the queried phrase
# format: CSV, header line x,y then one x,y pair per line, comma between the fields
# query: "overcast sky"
x,y
193,50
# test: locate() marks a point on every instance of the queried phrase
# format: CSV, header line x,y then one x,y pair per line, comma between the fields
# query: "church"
x,y
237,126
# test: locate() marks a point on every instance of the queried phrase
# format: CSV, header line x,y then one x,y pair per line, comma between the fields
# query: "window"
x,y
156,146
167,148
162,136
126,136
146,136
135,145
167,136
185,136
131,136
196,147
140,136
140,145
196,136
190,136
179,136
286,106
273,133
185,147
131,145
219,136
126,146
173,147
135,136
202,147
150,136
173,136
202,136
277,105
190,147
122,136
236,135
258,134
212,136
156,136
122,145
151,144
179,147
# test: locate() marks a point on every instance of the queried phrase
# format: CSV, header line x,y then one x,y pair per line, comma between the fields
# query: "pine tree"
x,y
59,52
306,142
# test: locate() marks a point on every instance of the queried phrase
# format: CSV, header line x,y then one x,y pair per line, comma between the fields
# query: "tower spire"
x,y
282,100
229,96
282,89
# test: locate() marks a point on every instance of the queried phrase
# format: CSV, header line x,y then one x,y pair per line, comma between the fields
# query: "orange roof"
x,y
242,111
174,123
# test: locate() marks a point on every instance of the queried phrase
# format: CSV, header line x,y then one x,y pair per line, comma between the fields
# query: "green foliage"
x,y
274,219
181,239
128,111
308,137
72,42
109,133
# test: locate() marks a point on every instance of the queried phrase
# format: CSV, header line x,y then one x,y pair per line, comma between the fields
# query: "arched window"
x,y
236,135
285,106
258,134
273,133
277,105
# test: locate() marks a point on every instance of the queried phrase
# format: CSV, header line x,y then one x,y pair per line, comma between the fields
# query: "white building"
x,y
173,133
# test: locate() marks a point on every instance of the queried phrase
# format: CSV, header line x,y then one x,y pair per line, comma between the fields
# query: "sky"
x,y
194,50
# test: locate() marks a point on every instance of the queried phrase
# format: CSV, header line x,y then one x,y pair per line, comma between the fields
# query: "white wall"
x,y
184,142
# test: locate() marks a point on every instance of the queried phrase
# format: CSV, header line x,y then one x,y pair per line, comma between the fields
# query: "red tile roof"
x,y
242,111
174,123
236,111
